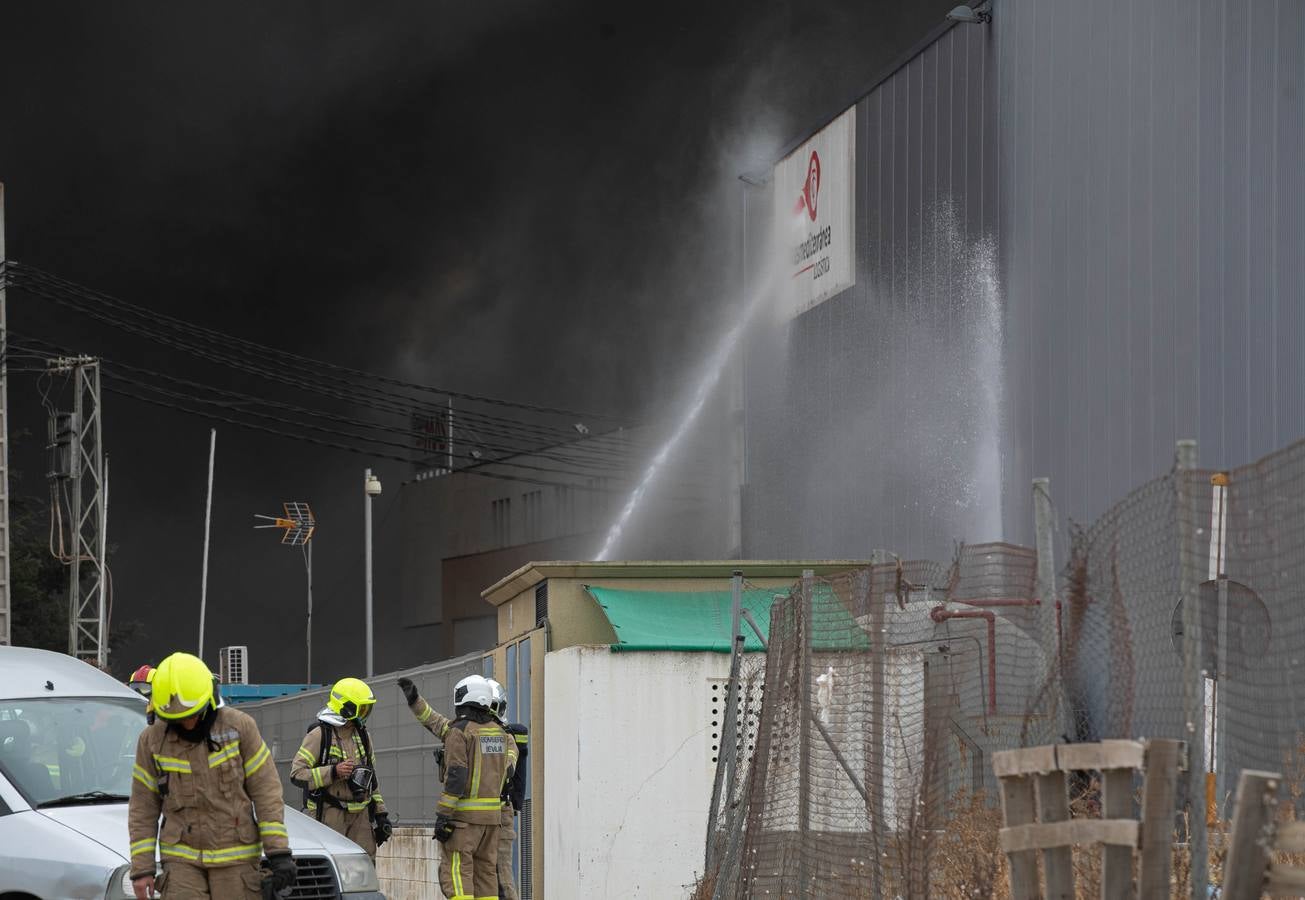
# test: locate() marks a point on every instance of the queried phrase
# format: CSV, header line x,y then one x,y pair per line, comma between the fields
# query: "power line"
x,y
345,447
24,272
603,460
374,398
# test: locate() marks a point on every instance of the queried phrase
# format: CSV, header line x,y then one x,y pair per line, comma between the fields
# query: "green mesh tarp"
x,y
680,620
700,620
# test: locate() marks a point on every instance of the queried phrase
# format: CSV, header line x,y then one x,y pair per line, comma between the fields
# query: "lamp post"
x,y
371,489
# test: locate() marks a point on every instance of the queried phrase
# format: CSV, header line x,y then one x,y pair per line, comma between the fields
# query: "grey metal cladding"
x,y
1138,165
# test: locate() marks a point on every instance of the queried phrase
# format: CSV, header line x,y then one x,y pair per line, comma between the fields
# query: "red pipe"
x,y
997,602
942,614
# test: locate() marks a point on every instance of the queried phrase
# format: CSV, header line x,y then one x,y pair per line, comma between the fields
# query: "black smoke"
x,y
524,199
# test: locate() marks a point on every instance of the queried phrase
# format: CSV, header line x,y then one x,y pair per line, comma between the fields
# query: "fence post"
x,y
875,752
1044,521
1017,809
1158,792
1185,459
1057,862
1116,860
804,732
872,777
1248,860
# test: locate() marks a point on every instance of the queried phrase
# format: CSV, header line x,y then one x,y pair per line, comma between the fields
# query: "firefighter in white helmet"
x,y
479,759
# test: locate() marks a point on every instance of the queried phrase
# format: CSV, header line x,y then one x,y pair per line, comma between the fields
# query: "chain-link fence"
x,y
885,690
405,766
1177,614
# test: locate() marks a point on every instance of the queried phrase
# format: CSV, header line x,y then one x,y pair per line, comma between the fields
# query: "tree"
x,y
39,582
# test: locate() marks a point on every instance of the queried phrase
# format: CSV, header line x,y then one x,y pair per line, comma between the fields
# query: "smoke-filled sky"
x,y
530,200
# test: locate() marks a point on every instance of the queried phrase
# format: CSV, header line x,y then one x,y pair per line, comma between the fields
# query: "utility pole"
x,y
5,623
79,467
208,518
371,489
308,638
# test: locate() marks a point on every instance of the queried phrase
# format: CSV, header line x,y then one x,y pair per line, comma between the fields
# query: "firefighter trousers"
x,y
183,881
356,826
469,863
507,884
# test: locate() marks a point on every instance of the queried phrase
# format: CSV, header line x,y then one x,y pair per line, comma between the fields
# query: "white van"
x,y
67,743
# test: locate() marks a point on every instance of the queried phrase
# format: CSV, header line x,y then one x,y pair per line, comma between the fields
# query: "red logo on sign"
x,y
806,201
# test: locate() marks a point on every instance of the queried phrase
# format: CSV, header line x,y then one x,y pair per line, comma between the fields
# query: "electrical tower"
x,y
5,624
80,506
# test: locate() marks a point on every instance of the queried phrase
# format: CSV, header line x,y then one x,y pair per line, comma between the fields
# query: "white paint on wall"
x,y
627,771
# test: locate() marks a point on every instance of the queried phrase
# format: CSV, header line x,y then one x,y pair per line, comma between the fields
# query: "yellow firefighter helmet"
x,y
182,687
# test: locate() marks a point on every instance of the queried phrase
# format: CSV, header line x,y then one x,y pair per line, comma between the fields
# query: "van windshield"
x,y
70,751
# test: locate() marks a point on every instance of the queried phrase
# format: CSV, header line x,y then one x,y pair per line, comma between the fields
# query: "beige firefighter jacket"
x,y
432,721
220,799
480,758
346,743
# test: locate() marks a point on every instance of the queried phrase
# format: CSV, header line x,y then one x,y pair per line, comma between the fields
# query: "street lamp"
x,y
371,489
967,15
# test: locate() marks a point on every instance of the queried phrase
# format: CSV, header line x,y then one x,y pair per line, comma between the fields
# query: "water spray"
x,y
711,376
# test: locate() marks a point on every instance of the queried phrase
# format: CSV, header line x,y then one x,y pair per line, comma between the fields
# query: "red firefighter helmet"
x,y
142,680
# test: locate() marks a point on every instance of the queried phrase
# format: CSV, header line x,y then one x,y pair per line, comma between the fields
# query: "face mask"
x,y
201,729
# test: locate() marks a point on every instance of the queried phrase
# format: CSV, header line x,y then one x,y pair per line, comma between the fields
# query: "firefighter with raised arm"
x,y
479,759
204,768
336,768
432,721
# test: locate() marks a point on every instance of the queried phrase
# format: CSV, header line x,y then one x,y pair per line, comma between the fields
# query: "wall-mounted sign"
x,y
815,216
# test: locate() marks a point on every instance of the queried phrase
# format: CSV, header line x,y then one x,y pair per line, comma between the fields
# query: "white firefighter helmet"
x,y
499,709
474,690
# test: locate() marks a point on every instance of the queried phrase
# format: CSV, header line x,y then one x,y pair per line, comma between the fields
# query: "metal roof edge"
x,y
532,573
901,62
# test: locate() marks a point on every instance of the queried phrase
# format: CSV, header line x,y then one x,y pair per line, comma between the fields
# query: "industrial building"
x,y
462,530
1073,235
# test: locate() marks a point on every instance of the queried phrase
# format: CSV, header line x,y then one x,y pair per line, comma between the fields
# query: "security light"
x,y
966,15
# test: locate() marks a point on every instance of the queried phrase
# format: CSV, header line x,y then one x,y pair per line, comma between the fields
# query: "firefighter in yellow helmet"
x,y
336,768
205,768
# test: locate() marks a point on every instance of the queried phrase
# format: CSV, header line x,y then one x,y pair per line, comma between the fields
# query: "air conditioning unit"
x,y
233,665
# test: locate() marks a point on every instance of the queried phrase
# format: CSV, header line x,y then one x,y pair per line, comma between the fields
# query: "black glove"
x,y
283,870
443,829
409,690
382,829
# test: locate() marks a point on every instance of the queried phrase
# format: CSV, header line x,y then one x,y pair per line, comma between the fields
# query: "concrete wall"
x,y
408,865
627,758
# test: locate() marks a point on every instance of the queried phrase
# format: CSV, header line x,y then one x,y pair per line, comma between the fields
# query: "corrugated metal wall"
x,y
862,425
1153,235
405,766
1138,164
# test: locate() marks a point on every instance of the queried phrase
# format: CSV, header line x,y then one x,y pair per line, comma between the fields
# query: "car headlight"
x,y
356,873
120,885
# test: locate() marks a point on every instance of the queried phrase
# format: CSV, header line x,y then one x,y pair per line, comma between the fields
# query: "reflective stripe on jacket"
x,y
220,799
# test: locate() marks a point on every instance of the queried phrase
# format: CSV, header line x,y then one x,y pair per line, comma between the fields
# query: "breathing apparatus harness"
x,y
362,781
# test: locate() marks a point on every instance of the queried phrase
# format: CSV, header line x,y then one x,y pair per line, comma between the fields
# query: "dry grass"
x,y
968,863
